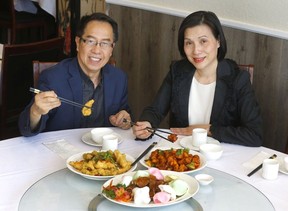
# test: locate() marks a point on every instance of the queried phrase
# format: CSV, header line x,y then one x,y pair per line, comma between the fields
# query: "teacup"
x,y
110,142
199,137
270,169
98,133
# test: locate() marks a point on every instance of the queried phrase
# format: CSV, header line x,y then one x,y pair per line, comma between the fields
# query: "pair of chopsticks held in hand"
x,y
79,105
154,130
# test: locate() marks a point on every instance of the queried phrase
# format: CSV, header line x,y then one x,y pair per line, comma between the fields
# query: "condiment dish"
x,y
204,179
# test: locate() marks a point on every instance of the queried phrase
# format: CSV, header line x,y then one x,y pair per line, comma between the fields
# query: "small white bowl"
x,y
211,151
204,179
98,133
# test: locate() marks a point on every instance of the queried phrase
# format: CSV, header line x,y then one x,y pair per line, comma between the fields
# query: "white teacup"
x,y
286,163
110,142
270,169
98,133
199,137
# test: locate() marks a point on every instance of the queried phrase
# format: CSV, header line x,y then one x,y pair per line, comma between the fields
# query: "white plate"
x,y
203,162
191,181
281,166
78,157
87,139
186,142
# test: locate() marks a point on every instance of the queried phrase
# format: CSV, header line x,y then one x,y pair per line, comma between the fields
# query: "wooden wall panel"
x,y
145,49
269,55
148,44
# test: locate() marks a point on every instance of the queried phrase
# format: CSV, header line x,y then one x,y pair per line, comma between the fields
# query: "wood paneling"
x,y
148,44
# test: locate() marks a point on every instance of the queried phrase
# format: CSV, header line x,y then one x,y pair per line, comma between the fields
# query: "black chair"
x,y
17,76
15,22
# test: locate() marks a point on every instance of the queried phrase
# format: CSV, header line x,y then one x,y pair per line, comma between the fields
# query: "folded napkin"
x,y
62,148
256,160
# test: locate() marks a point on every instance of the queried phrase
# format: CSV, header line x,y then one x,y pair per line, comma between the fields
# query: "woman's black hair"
x,y
211,20
97,17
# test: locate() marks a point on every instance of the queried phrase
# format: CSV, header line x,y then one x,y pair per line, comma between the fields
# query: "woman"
x,y
204,89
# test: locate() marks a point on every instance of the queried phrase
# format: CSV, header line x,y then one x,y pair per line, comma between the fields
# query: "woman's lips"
x,y
198,60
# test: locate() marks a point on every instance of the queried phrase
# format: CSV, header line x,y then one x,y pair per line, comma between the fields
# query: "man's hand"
x,y
117,120
43,103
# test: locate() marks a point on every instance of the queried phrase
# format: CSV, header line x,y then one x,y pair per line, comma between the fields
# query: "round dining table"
x,y
34,175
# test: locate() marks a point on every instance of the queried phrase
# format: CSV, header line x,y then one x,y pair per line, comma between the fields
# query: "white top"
x,y
200,102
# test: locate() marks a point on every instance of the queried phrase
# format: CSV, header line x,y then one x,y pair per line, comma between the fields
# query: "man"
x,y
81,79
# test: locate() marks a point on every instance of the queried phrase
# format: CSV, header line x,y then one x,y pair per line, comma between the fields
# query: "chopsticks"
x,y
260,166
148,128
144,153
151,130
36,91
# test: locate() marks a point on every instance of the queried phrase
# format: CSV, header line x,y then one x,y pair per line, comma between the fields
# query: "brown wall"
x,y
148,44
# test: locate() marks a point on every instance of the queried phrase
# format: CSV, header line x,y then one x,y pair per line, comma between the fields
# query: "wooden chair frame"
x,y
38,67
15,21
17,75
249,68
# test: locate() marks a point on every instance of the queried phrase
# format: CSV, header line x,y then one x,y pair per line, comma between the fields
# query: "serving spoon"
x,y
144,153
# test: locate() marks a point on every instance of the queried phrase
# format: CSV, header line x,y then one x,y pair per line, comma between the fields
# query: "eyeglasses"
x,y
103,45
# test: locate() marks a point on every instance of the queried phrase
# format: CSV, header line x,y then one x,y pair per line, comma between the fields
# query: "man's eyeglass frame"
x,y
102,44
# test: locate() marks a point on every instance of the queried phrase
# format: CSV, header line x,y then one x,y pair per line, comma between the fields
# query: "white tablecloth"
x,y
24,161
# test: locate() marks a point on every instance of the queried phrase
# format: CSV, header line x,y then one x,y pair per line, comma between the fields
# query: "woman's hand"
x,y
117,120
187,131
140,131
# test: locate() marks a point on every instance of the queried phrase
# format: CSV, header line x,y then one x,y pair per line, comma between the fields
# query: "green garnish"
x,y
109,193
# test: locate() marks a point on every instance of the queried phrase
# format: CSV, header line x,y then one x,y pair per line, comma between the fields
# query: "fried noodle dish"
x,y
173,159
106,163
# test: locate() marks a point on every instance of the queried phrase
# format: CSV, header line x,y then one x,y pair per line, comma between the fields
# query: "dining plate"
x,y
282,168
192,190
87,139
203,161
186,142
78,157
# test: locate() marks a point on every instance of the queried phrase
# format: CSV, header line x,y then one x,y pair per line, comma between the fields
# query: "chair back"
x,y
17,74
13,21
38,67
249,68
7,15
